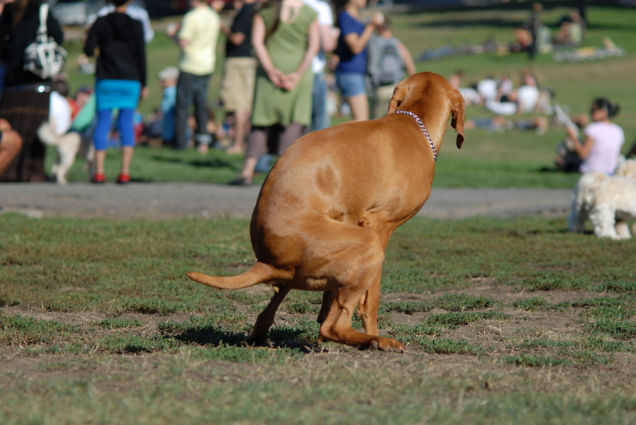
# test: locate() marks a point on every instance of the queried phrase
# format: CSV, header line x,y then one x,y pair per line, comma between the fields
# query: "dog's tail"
x,y
258,273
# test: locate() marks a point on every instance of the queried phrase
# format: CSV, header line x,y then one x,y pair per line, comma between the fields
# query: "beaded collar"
x,y
423,128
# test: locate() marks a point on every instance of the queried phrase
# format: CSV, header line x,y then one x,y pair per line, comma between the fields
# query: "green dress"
x,y
286,48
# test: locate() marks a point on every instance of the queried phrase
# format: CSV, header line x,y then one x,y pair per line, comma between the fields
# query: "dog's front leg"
x,y
604,220
337,325
266,318
622,229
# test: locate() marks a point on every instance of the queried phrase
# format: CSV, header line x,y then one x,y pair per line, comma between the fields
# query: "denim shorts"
x,y
351,84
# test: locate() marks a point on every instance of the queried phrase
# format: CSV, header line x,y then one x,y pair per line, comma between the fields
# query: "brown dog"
x,y
330,204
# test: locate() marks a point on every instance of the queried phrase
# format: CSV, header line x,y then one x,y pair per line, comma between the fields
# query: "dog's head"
x,y
427,93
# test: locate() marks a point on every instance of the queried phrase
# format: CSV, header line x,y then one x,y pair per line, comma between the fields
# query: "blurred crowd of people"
x,y
537,37
289,65
589,144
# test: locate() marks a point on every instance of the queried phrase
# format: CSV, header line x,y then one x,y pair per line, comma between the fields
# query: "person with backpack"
x,y
389,62
352,55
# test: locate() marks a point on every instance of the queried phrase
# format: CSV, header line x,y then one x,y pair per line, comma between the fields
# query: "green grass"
x,y
93,312
488,159
505,321
27,330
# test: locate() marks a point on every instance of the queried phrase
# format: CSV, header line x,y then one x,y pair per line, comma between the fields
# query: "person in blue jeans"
x,y
120,81
196,37
352,54
328,39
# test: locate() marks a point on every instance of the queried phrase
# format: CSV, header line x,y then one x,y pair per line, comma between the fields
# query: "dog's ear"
x,y
399,93
457,111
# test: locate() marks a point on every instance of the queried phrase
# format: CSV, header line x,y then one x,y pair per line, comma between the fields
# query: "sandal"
x,y
240,181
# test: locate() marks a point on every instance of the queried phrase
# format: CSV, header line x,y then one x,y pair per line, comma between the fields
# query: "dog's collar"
x,y
423,128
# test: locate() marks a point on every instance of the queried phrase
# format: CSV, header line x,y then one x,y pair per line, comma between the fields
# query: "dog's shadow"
x,y
214,336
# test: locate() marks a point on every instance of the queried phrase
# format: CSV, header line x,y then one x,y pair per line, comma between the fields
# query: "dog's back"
x,y
357,173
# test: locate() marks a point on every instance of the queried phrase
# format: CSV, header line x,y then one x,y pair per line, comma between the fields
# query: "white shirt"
x,y
325,18
527,97
487,89
59,113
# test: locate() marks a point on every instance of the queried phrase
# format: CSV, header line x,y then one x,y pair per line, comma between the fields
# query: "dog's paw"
x,y
386,344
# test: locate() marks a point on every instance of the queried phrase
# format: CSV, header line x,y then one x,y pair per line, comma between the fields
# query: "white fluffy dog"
x,y
608,201
626,168
67,145
55,132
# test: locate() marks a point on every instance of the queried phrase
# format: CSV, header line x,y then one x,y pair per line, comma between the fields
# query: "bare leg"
x,y
241,129
256,146
248,168
100,157
359,107
126,157
9,147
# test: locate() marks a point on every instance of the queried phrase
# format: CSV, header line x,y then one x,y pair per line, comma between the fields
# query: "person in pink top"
x,y
603,141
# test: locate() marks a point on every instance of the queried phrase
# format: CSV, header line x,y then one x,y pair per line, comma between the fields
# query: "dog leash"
x,y
423,128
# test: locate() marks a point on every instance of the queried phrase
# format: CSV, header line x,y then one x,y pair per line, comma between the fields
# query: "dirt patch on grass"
x,y
495,348
501,293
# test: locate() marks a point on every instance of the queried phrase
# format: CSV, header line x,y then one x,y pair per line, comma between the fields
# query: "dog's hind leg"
x,y
368,308
327,299
266,318
356,266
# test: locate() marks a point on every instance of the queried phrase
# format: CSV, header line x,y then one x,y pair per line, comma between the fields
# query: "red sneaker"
x,y
98,178
123,179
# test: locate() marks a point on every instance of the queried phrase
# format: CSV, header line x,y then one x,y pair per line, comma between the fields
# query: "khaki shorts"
x,y
237,89
380,101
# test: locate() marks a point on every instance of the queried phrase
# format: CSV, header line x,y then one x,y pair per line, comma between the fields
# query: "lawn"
x,y
506,321
488,159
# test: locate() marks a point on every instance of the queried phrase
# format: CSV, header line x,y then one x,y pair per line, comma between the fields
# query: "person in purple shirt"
x,y
352,55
